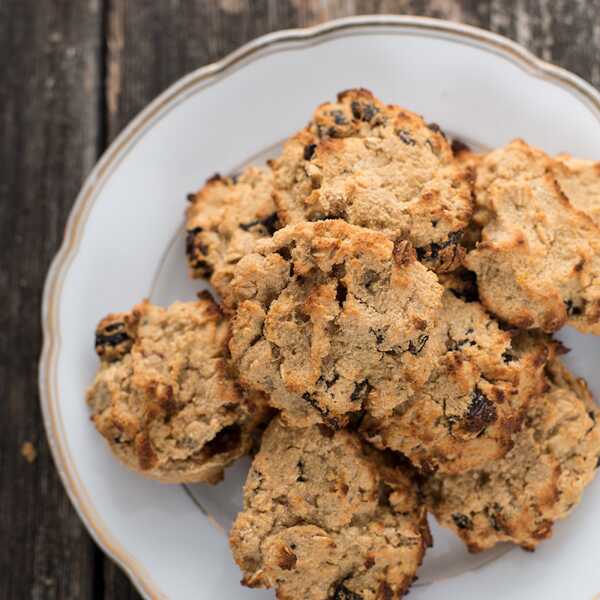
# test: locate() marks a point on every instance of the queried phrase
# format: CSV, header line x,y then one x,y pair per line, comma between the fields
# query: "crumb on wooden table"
x,y
28,452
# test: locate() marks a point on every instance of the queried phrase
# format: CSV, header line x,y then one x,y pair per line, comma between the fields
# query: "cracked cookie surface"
x,y
380,167
482,382
326,517
225,219
580,181
538,264
518,498
332,320
162,397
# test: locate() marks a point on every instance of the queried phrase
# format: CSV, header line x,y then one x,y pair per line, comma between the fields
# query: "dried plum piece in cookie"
x,y
580,182
376,166
327,517
538,264
224,220
163,398
444,256
114,336
332,319
520,497
476,396
461,150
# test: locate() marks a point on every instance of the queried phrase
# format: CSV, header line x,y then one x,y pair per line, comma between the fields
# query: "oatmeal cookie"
x,y
224,220
331,320
325,517
380,167
163,399
480,216
538,264
580,182
519,498
476,395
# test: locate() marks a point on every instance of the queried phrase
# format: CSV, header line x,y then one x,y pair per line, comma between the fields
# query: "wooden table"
x,y
74,72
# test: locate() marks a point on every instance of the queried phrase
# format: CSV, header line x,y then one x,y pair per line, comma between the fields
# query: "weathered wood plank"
x,y
565,32
49,60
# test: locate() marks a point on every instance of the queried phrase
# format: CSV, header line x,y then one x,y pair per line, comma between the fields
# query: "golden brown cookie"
x,y
224,220
477,393
580,182
332,320
163,399
380,167
538,264
518,498
326,518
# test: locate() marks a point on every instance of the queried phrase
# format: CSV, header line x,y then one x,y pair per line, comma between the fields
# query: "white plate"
x,y
124,242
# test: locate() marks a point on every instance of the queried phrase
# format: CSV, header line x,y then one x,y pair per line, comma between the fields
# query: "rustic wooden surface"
x,y
74,72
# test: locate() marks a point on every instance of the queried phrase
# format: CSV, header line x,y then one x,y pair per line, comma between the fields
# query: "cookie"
x,y
376,166
224,220
476,395
327,518
538,264
580,182
519,498
479,216
163,399
332,320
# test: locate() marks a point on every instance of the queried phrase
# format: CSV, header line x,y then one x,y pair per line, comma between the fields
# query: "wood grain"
x,y
74,74
49,110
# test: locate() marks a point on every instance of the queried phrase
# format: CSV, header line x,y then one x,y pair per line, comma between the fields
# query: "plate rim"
x,y
86,197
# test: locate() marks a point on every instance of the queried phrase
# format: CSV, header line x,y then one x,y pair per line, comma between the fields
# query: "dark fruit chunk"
x,y
343,593
481,412
458,146
112,341
301,478
355,419
406,137
341,293
269,223
437,129
496,522
364,112
361,391
190,239
433,249
215,177
507,357
309,151
196,251
572,310
462,521
446,255
339,117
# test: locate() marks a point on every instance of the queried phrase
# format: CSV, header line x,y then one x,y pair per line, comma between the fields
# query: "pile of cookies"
x,y
382,345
